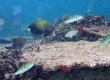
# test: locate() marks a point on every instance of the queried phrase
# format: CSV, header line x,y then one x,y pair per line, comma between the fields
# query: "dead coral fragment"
x,y
18,42
63,69
7,76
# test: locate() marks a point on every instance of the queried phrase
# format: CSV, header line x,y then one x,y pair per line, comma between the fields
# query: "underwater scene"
x,y
54,39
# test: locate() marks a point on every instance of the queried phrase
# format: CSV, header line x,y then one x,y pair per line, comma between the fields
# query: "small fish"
x,y
105,40
24,68
71,33
53,33
73,19
88,11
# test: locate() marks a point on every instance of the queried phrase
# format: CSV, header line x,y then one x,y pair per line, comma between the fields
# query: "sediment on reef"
x,y
69,54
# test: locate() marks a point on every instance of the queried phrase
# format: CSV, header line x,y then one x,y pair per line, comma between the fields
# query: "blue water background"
x,y
18,14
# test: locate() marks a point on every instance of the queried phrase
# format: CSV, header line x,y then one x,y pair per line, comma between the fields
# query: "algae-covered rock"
x,y
41,27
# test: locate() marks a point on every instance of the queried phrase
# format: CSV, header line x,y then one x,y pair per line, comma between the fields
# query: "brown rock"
x,y
85,54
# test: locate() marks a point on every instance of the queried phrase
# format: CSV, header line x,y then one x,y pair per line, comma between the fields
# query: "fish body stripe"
x,y
105,40
24,68
73,19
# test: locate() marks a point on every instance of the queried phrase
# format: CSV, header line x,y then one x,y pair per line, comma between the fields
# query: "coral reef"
x,y
61,58
94,27
70,56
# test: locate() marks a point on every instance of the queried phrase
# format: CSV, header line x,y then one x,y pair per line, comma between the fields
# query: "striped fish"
x,y
105,40
73,19
24,68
